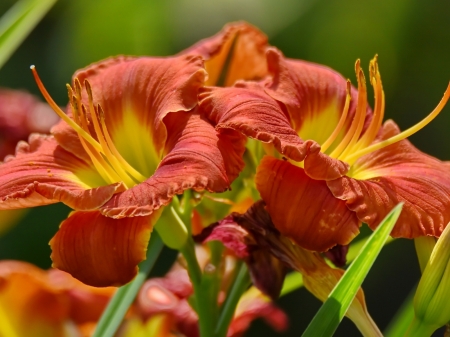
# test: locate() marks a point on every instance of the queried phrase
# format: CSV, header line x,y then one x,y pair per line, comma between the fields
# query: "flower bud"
x,y
431,304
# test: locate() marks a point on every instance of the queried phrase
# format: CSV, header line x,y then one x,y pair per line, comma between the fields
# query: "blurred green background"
x,y
412,39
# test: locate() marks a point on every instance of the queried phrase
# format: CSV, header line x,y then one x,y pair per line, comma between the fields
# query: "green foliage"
x,y
18,22
326,321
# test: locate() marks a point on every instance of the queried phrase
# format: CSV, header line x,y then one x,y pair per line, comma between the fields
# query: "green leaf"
x,y
18,22
327,319
124,296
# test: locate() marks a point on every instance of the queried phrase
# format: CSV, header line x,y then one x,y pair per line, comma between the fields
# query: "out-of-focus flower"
x,y
20,115
132,139
431,305
163,305
341,166
254,231
34,302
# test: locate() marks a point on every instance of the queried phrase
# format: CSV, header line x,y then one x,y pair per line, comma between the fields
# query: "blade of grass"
x,y
18,22
119,304
294,280
327,319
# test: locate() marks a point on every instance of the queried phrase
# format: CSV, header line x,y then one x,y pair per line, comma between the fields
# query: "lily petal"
x,y
304,209
247,109
239,43
398,173
313,94
103,251
135,95
194,162
42,172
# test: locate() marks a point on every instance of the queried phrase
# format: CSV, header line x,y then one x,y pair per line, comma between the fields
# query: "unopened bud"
x,y
431,302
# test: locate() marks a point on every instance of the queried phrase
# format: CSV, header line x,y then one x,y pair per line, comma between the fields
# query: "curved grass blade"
x,y
119,304
327,319
18,22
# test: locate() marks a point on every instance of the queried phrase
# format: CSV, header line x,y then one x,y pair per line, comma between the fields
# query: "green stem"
x,y
201,299
122,299
239,286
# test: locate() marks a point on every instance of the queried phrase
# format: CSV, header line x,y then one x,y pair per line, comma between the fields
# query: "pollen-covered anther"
x,y
97,143
354,145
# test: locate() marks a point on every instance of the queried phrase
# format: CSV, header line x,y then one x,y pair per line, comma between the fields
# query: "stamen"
x,y
356,119
106,151
342,120
61,113
361,109
378,115
404,134
130,169
104,155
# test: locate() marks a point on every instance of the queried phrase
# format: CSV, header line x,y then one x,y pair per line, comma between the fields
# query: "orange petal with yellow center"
x,y
135,95
42,172
101,251
239,47
250,111
313,94
398,173
194,161
304,209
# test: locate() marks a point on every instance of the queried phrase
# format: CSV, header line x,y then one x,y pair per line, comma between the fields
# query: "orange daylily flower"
x,y
342,165
132,139
34,302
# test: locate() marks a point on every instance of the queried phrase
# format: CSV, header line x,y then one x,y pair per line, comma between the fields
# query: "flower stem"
x,y
122,299
240,284
201,299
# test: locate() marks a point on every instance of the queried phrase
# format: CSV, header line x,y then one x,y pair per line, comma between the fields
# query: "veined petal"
x,y
239,43
398,173
320,166
302,208
101,251
313,94
42,172
247,109
135,95
194,161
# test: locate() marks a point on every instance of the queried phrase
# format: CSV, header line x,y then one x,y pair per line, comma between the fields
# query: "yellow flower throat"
x,y
106,158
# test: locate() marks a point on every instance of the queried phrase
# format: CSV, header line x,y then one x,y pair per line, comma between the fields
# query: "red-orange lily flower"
x,y
34,302
341,166
133,140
